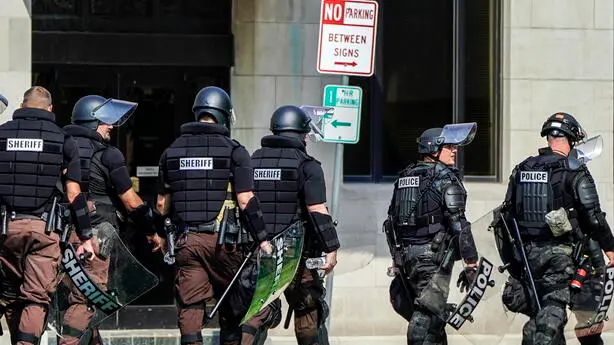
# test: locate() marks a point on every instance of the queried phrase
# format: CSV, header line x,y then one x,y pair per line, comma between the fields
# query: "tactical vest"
x,y
198,166
419,199
277,172
541,185
31,158
87,149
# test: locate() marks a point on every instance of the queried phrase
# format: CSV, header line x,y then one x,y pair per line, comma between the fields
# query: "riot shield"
x,y
588,150
94,289
464,293
277,270
4,103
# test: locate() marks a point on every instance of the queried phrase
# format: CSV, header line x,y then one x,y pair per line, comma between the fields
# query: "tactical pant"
x,y
304,296
427,323
203,270
80,312
552,269
30,263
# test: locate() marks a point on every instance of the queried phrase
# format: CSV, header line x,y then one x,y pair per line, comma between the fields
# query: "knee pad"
x,y
274,317
230,335
259,334
31,337
593,339
192,338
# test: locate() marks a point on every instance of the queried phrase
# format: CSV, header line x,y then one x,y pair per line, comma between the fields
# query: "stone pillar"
x,y
15,53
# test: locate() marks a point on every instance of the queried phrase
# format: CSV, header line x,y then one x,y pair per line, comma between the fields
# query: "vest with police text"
x,y
31,158
198,166
277,170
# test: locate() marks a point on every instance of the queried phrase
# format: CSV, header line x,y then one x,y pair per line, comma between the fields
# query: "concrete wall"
x,y
557,57
15,53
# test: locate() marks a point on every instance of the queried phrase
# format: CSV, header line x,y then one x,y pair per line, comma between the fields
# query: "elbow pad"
x,y
467,247
81,216
600,231
325,231
254,220
146,219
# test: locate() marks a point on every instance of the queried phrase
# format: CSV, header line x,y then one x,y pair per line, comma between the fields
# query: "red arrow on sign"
x,y
353,63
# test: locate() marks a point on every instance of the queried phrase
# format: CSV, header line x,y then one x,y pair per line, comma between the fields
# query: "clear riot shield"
x,y
473,312
93,290
277,270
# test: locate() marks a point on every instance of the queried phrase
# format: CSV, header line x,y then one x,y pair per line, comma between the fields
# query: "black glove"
x,y
466,277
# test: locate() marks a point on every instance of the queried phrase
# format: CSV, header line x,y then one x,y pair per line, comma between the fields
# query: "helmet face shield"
x,y
459,134
589,149
4,103
317,114
114,112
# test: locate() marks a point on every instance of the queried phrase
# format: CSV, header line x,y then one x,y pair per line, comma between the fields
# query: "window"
x,y
415,87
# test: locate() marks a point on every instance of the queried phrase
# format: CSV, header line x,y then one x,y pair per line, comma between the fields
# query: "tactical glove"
x,y
466,277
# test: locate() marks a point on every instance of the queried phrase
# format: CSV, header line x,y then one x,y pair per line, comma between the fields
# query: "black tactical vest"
x,y
419,201
277,173
31,158
542,185
89,143
198,166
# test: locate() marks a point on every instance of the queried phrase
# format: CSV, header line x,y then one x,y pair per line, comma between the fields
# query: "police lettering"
x,y
534,176
607,296
409,182
201,163
83,282
267,174
464,311
16,144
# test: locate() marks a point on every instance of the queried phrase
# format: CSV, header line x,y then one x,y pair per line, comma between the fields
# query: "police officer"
x,y
201,173
427,213
296,192
552,181
34,155
106,182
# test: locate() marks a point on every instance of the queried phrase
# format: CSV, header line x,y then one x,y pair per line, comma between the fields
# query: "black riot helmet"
x,y
290,121
430,141
563,125
91,110
216,103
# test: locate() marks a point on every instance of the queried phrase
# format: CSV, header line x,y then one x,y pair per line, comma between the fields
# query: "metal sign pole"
x,y
337,178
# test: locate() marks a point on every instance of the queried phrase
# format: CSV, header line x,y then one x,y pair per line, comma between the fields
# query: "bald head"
x,y
37,97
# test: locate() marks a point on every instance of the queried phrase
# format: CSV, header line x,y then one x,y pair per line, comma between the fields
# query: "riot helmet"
x,y
563,125
291,121
91,110
216,103
432,140
4,103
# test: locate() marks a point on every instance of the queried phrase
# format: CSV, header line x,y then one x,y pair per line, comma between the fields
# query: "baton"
x,y
234,279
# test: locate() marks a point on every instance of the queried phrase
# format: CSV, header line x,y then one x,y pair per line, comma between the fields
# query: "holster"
x,y
63,222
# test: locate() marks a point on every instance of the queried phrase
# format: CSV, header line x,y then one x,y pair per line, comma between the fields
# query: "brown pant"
x,y
79,313
30,259
303,295
203,270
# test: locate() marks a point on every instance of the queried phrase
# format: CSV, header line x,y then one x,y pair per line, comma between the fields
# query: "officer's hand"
x,y
610,256
266,247
86,247
331,261
157,241
466,277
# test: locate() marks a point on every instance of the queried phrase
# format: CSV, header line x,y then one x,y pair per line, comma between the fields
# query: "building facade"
x,y
506,65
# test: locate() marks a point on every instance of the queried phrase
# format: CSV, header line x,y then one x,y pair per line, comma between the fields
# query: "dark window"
x,y
417,86
57,7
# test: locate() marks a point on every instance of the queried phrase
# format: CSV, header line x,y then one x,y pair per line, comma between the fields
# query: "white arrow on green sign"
x,y
344,125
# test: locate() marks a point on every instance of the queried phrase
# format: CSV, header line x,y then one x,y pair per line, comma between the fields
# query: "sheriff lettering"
x,y
196,163
534,176
409,182
267,174
83,282
17,144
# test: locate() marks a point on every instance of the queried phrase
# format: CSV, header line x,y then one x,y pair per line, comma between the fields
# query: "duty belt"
x,y
427,220
207,228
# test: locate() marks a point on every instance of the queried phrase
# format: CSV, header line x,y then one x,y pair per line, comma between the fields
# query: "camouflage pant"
x,y
552,268
427,325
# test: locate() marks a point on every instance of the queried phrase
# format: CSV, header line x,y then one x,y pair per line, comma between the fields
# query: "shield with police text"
x,y
95,287
465,291
277,270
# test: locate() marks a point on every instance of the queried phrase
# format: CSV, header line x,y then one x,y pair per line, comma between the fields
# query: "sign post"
x,y
346,47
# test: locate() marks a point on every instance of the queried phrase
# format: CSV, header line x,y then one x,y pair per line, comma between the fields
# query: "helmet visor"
x,y
317,116
4,103
459,134
114,112
588,150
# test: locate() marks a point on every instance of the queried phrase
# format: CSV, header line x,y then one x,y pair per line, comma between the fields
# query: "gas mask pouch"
x,y
558,222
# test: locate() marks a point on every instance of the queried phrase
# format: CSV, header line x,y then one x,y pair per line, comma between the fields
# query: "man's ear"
x,y
50,108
